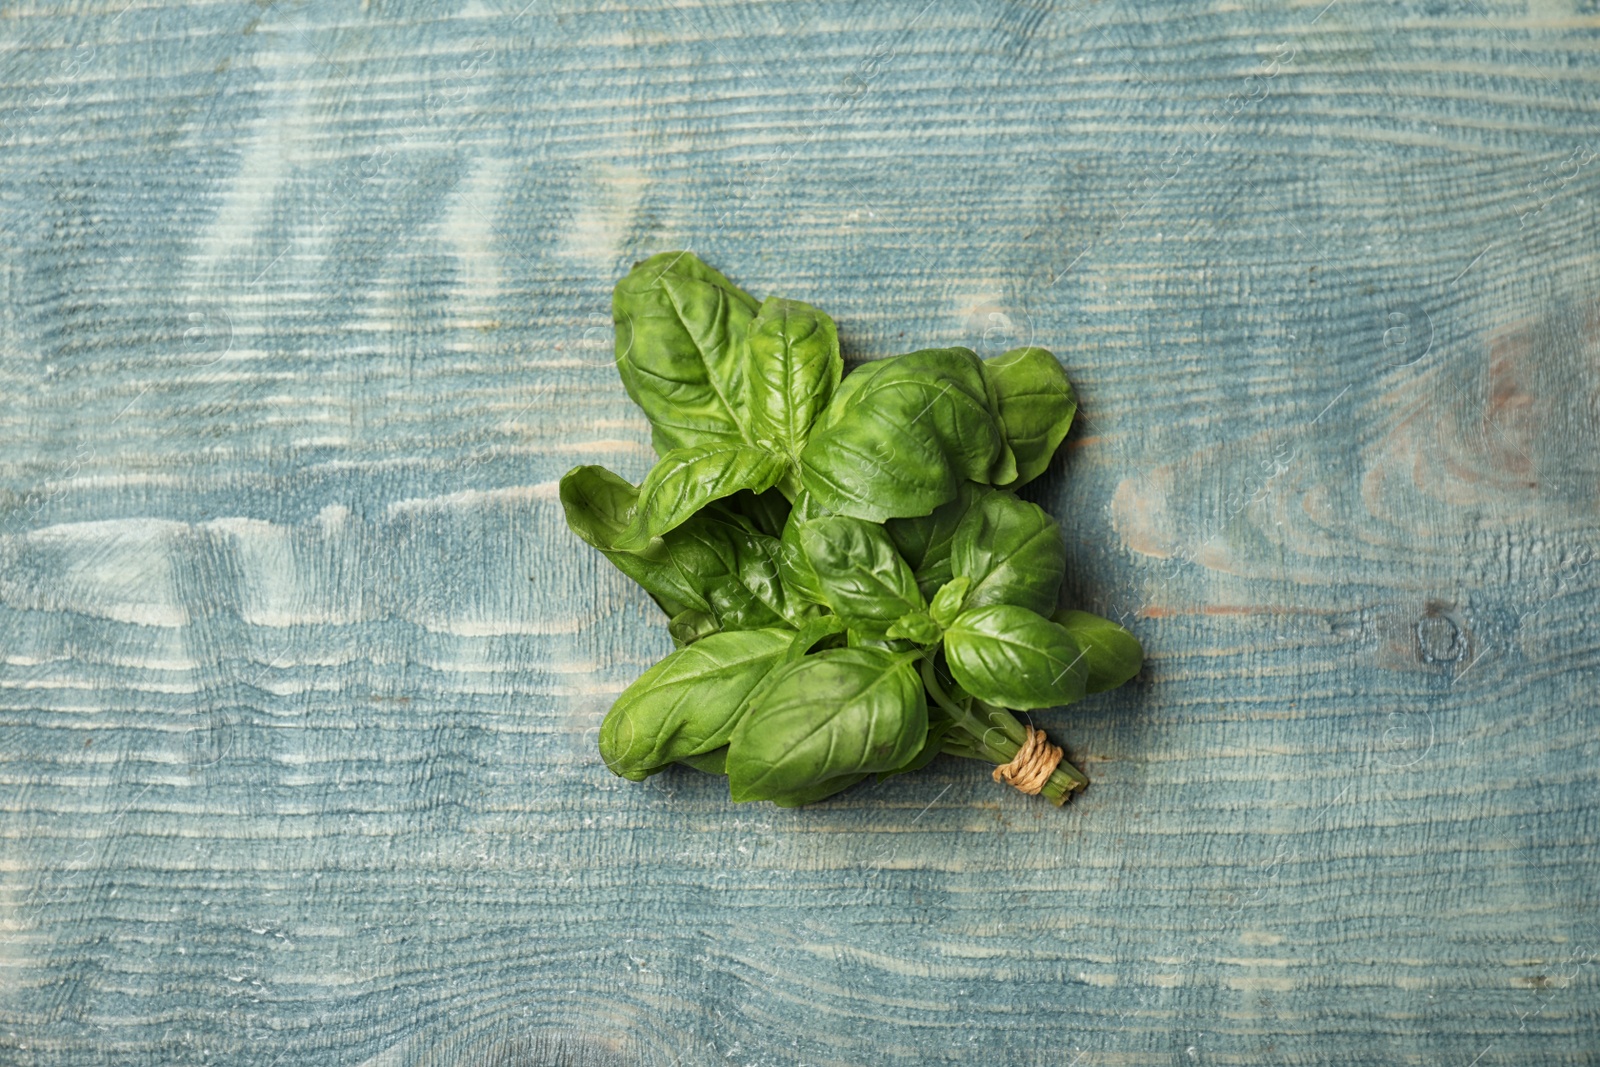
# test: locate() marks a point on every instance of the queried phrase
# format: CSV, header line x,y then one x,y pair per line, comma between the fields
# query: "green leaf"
x,y
926,542
821,791
862,577
903,442
1036,405
599,505
687,627
1004,471
681,328
1011,550
931,747
1013,657
710,566
735,571
714,762
844,396
813,631
917,626
794,367
861,639
763,513
837,714
685,480
688,703
1111,652
948,602
799,577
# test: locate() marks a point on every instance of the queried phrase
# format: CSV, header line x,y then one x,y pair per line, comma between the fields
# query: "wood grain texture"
x,y
304,309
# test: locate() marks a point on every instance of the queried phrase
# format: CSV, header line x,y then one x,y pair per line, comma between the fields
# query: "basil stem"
x,y
993,735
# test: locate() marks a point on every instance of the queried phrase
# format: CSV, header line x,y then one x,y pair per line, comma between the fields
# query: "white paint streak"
x,y
333,569
610,200
469,227
117,569
501,628
475,498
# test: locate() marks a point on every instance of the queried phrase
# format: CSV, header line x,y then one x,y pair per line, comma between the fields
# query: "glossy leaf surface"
x,y
599,506
861,576
687,479
813,632
917,627
1036,405
1011,550
926,542
734,571
686,705
687,627
794,368
1113,655
836,714
681,328
949,601
1014,658
932,745
905,440
799,577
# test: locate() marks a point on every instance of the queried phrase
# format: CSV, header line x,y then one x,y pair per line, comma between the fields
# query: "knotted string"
x,y
1033,764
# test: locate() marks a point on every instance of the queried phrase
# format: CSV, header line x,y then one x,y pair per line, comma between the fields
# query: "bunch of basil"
x,y
851,584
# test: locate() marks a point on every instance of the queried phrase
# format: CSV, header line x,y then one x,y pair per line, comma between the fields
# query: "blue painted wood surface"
x,y
304,309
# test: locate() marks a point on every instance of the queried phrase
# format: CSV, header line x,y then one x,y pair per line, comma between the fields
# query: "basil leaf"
x,y
687,704
931,747
903,442
1111,652
1011,550
844,396
599,505
681,328
837,714
1004,469
812,632
821,791
916,626
710,574
949,600
687,479
794,367
1036,405
861,576
799,577
763,513
925,542
714,762
859,639
687,627
1014,658
735,571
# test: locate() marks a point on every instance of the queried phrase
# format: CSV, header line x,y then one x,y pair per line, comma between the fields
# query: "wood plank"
x,y
304,310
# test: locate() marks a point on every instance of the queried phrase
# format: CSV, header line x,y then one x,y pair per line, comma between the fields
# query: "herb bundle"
x,y
851,584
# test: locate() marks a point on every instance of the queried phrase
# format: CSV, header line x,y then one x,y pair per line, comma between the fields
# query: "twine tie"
x,y
1033,764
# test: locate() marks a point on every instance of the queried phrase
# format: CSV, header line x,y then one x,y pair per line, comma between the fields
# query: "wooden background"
x,y
304,310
